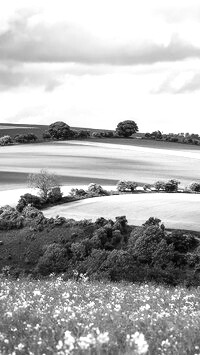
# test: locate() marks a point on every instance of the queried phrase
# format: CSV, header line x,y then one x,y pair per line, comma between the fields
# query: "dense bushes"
x,y
109,249
25,138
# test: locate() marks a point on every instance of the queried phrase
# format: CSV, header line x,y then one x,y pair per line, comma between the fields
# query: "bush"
x,y
54,259
6,140
78,193
54,195
28,199
26,138
96,135
82,134
194,186
126,186
10,218
46,135
182,242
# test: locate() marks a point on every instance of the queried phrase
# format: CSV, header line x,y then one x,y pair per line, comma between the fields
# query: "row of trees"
x,y
174,138
60,130
171,185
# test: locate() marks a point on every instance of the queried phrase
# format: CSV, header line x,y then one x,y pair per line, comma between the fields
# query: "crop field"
x,y
175,210
68,317
82,162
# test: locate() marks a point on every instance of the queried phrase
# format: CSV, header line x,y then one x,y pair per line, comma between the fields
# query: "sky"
x,y
94,63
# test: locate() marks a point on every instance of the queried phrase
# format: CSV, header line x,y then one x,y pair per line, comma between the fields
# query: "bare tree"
x,y
43,181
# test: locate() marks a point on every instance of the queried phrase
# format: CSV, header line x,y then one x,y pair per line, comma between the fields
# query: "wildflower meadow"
x,y
81,317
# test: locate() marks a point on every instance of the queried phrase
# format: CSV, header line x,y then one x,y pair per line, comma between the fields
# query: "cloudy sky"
x,y
93,63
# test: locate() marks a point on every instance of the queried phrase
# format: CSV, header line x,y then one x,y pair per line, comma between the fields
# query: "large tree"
x,y
59,130
126,128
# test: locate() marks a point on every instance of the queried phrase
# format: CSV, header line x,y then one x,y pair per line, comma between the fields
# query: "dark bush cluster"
x,y
113,250
25,138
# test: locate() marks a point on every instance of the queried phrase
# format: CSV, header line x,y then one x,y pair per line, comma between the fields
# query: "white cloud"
x,y
95,62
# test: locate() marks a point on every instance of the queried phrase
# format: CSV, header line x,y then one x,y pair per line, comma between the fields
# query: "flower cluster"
x,y
77,318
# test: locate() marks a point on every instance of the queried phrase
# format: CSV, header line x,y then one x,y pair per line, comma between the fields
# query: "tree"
x,y
43,181
126,186
126,128
59,130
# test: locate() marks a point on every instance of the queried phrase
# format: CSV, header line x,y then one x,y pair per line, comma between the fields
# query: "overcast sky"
x,y
93,63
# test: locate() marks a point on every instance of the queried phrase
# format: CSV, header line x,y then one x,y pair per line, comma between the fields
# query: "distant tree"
x,y
195,186
5,140
60,130
126,128
159,185
43,181
172,185
126,186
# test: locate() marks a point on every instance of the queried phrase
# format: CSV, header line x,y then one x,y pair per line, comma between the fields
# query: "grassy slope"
x,y
175,210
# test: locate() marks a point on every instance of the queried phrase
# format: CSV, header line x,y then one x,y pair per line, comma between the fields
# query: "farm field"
x,y
175,210
68,317
82,162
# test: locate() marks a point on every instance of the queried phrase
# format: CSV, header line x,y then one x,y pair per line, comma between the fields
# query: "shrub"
x,y
46,135
6,140
148,242
194,186
78,192
82,134
10,218
25,138
126,186
96,135
54,259
54,195
27,199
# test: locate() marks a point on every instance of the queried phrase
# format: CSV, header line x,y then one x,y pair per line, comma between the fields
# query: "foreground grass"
x,y
58,317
